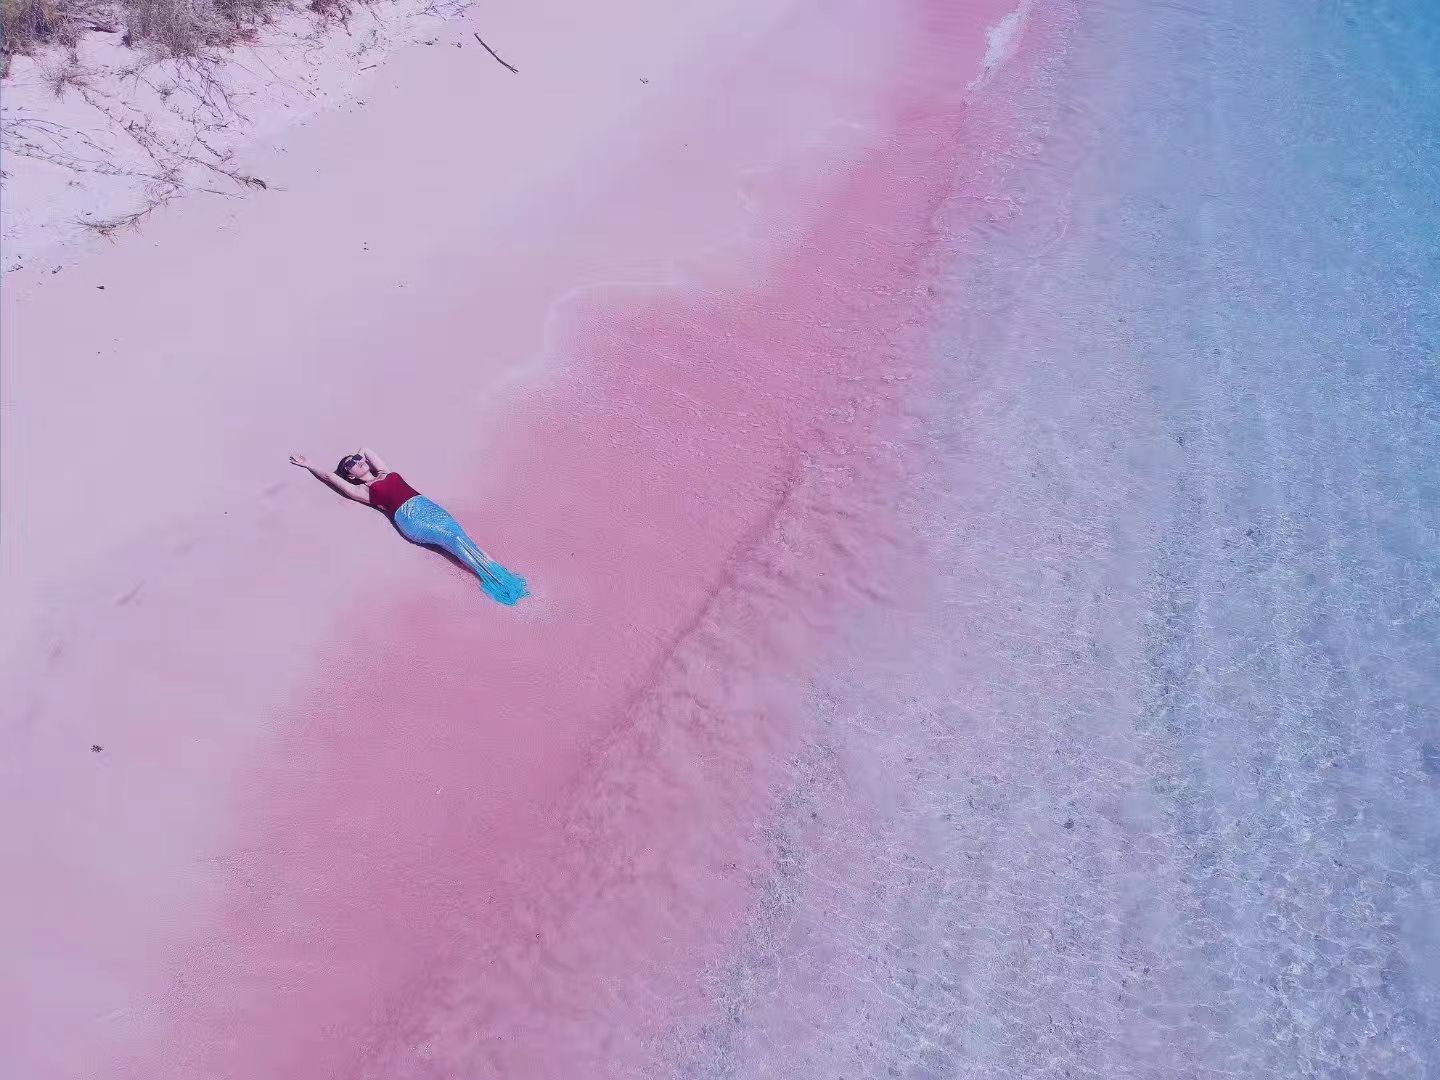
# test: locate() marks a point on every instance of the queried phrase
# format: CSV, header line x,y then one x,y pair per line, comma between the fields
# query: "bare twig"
x,y
109,227
493,53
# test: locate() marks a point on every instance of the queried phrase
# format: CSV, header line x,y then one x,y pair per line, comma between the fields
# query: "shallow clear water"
x,y
1150,784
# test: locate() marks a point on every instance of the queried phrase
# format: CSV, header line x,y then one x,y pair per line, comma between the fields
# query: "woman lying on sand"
x,y
365,478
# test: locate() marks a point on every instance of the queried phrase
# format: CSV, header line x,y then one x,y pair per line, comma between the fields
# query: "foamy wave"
x,y
1001,42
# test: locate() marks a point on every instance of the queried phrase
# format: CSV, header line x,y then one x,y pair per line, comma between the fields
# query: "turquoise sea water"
x,y
1150,787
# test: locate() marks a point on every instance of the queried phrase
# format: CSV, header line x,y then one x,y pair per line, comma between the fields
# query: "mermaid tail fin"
x,y
502,585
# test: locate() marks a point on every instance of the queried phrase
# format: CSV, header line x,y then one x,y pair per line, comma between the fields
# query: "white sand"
x,y
95,139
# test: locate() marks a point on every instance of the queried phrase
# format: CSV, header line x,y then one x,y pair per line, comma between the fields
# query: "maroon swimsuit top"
x,y
391,492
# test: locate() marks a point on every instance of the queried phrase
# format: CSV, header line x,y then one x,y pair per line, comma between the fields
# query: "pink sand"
x,y
351,818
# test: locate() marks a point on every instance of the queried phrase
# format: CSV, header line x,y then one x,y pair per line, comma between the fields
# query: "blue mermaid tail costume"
x,y
424,521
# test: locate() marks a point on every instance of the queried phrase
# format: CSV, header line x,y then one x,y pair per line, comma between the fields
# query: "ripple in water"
x,y
1149,785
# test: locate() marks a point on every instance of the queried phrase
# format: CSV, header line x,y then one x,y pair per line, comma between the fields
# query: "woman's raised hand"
x,y
301,460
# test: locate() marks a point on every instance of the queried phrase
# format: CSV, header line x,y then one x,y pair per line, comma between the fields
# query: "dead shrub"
x,y
177,28
186,27
24,24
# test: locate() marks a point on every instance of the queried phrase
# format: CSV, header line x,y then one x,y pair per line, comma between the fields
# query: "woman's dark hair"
x,y
348,462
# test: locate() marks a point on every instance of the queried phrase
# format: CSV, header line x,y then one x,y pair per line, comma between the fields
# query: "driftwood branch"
x,y
493,53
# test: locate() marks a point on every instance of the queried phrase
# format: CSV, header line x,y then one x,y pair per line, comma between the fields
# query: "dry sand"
x,y
96,138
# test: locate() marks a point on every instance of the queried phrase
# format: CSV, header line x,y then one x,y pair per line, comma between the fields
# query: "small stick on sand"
x,y
493,53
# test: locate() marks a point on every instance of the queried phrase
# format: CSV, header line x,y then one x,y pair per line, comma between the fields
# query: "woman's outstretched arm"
x,y
358,492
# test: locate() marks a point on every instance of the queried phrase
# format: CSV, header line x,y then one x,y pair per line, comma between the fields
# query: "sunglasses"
x,y
351,461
